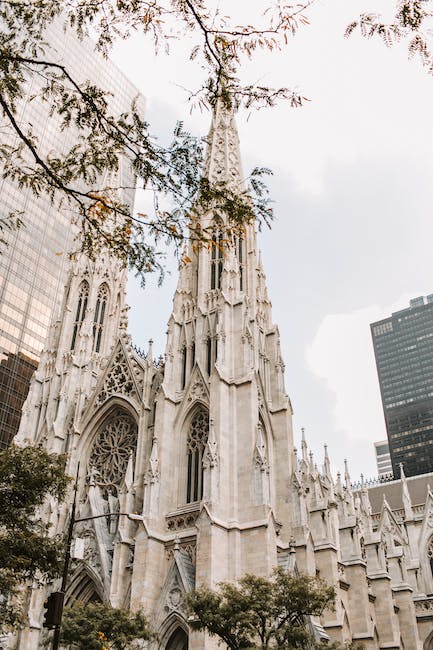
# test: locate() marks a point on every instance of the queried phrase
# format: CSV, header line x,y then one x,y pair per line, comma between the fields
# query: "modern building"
x,y
34,263
196,449
403,346
383,459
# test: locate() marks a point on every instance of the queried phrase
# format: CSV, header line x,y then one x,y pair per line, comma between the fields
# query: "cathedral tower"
x,y
222,432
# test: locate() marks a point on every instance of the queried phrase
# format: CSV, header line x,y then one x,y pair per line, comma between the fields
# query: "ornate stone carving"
x,y
197,391
182,521
210,456
118,381
152,474
260,455
425,605
175,600
111,450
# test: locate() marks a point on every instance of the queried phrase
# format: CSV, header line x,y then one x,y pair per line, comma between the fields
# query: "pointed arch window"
x,y
216,264
83,296
99,318
192,354
197,439
183,366
240,254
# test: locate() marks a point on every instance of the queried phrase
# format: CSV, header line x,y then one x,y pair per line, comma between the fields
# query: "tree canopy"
x,y
260,612
173,172
27,551
98,626
412,22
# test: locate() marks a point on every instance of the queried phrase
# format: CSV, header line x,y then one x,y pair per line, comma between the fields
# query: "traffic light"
x,y
53,609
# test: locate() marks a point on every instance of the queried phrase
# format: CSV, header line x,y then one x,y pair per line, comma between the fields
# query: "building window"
x,y
216,267
184,366
113,445
240,253
98,321
197,439
208,355
83,295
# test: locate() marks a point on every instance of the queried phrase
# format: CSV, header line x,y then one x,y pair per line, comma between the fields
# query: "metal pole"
x,y
56,637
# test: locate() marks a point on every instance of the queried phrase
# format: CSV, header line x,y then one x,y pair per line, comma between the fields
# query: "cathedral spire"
x,y
223,160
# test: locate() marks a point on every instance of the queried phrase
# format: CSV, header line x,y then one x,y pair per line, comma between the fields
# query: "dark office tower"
x,y
33,266
403,345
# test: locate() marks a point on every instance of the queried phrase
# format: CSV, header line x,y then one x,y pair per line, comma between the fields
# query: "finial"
x,y
346,474
326,462
304,446
402,474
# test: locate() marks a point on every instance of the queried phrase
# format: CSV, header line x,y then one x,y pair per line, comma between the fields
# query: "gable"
x,y
118,379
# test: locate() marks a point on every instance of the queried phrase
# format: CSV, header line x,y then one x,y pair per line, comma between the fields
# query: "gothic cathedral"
x,y
197,449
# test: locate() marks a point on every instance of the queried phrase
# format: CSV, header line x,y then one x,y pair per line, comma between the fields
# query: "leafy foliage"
x,y
413,22
261,612
98,626
27,552
173,173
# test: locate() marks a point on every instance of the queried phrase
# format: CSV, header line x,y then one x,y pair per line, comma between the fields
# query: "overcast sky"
x,y
353,235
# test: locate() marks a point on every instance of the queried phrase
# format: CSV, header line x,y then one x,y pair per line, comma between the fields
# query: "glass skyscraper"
x,y
403,346
33,265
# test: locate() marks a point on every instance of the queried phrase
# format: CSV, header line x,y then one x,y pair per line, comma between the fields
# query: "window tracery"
x,y
98,320
83,296
117,381
114,443
196,443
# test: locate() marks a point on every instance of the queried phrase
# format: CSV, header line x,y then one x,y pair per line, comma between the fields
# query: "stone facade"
x,y
197,449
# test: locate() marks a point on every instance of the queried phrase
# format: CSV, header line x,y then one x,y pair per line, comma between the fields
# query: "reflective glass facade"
x,y
33,266
403,346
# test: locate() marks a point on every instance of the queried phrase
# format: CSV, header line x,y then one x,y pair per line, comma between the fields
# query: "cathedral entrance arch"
x,y
178,640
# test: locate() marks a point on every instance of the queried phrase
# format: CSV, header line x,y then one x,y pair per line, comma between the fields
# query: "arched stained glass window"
x,y
99,318
197,439
83,296
116,440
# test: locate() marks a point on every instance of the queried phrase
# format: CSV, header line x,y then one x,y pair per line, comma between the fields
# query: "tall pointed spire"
x,y
223,159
